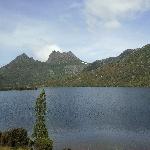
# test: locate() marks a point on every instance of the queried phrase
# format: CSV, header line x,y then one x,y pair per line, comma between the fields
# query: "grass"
x,y
9,148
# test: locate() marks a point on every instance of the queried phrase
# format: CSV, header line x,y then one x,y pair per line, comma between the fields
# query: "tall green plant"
x,y
40,132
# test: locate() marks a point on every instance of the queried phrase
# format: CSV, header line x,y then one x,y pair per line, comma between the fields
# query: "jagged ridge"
x,y
57,57
25,71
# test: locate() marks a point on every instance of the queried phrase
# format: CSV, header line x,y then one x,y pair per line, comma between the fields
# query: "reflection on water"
x,y
85,118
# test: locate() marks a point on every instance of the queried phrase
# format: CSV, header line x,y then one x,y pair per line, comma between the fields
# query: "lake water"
x,y
85,118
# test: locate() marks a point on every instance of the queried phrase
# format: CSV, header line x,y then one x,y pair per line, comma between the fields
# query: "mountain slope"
x,y
25,71
131,68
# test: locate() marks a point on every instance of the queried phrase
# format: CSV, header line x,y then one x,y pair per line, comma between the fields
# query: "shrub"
x,y
0,137
43,144
4,139
66,149
15,138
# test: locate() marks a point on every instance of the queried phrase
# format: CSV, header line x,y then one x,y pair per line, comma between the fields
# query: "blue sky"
x,y
91,29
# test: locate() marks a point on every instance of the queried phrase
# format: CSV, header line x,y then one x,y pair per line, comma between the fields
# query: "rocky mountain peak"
x,y
23,58
57,57
71,54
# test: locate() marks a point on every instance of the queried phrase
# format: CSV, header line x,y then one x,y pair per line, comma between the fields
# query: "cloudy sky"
x,y
91,29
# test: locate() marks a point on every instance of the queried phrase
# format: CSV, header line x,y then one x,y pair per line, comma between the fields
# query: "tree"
x,y
40,132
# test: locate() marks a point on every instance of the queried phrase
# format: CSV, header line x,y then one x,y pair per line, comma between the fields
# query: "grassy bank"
x,y
9,148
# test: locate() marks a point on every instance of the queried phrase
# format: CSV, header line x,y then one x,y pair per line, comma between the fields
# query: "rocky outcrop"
x,y
57,57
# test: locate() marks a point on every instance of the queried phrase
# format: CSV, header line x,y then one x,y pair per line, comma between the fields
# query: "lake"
x,y
85,118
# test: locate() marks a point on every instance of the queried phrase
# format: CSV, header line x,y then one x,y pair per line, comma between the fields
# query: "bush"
x,y
43,144
15,138
4,139
66,149
0,137
30,143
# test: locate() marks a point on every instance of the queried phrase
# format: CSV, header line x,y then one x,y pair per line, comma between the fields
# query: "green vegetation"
x,y
14,138
40,133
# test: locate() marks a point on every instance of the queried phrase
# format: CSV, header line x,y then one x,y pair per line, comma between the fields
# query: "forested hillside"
x,y
131,68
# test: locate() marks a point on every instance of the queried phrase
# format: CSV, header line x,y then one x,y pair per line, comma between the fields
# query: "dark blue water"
x,y
85,118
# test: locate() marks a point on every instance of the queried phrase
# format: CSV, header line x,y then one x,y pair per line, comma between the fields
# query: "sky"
x,y
91,29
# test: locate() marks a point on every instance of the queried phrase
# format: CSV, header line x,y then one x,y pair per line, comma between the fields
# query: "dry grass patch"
x,y
9,148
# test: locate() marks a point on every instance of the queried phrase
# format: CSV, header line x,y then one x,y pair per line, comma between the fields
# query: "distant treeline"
x,y
18,88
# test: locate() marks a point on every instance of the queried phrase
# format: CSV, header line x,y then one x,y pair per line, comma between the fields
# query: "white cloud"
x,y
42,53
31,37
111,13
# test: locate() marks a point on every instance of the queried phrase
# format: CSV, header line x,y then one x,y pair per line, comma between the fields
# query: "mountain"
x,y
131,68
24,71
63,58
100,63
